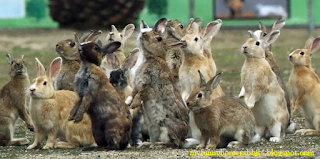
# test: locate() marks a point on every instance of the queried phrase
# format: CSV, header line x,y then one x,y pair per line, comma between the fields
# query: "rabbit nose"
x,y
57,45
245,47
188,103
32,90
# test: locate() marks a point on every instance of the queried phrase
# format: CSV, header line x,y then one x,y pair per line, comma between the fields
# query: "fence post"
x,y
311,17
191,8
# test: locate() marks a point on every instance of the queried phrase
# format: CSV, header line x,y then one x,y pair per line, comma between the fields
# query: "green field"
x,y
226,53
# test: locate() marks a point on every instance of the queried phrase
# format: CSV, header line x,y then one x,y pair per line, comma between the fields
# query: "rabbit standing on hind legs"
x,y
49,111
163,108
263,94
13,99
305,85
110,117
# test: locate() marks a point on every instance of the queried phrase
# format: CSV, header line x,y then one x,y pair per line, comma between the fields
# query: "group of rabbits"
x,y
165,92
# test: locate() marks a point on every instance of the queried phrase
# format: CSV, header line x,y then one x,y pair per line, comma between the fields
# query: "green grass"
x,y
226,53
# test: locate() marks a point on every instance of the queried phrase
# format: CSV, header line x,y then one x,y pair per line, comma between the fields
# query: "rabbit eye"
x,y
45,83
200,95
97,48
302,53
257,43
72,44
196,39
159,39
121,35
264,34
181,26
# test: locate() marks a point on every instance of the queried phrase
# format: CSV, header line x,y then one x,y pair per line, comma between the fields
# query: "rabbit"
x,y
194,59
305,85
13,103
220,116
50,109
263,94
277,25
67,50
163,108
115,35
111,119
174,31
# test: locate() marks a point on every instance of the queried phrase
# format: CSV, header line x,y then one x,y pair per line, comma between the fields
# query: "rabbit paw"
x,y
200,146
211,146
78,117
234,144
275,139
129,100
306,132
47,146
33,146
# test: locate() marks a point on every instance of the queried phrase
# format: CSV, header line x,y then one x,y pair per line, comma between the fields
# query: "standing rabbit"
x,y
49,111
163,108
263,94
110,117
13,99
277,25
115,35
192,45
68,51
305,85
220,116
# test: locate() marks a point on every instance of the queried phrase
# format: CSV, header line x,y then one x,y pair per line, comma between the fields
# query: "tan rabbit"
x,y
50,110
110,117
277,25
220,116
163,108
305,85
192,45
68,51
263,94
13,99
115,35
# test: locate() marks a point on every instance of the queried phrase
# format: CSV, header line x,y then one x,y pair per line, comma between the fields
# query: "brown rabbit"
x,y
115,35
305,85
68,51
263,94
50,110
110,117
220,116
163,108
13,99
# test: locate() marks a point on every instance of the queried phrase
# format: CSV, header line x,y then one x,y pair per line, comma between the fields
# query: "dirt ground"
x,y
226,53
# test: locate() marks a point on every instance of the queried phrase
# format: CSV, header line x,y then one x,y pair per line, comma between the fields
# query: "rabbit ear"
x,y
131,59
202,79
214,82
113,60
194,28
315,45
22,56
308,43
271,37
143,25
85,36
110,48
252,35
160,25
77,39
262,27
94,36
40,70
54,68
278,24
127,31
114,29
9,59
211,29
99,43
193,20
